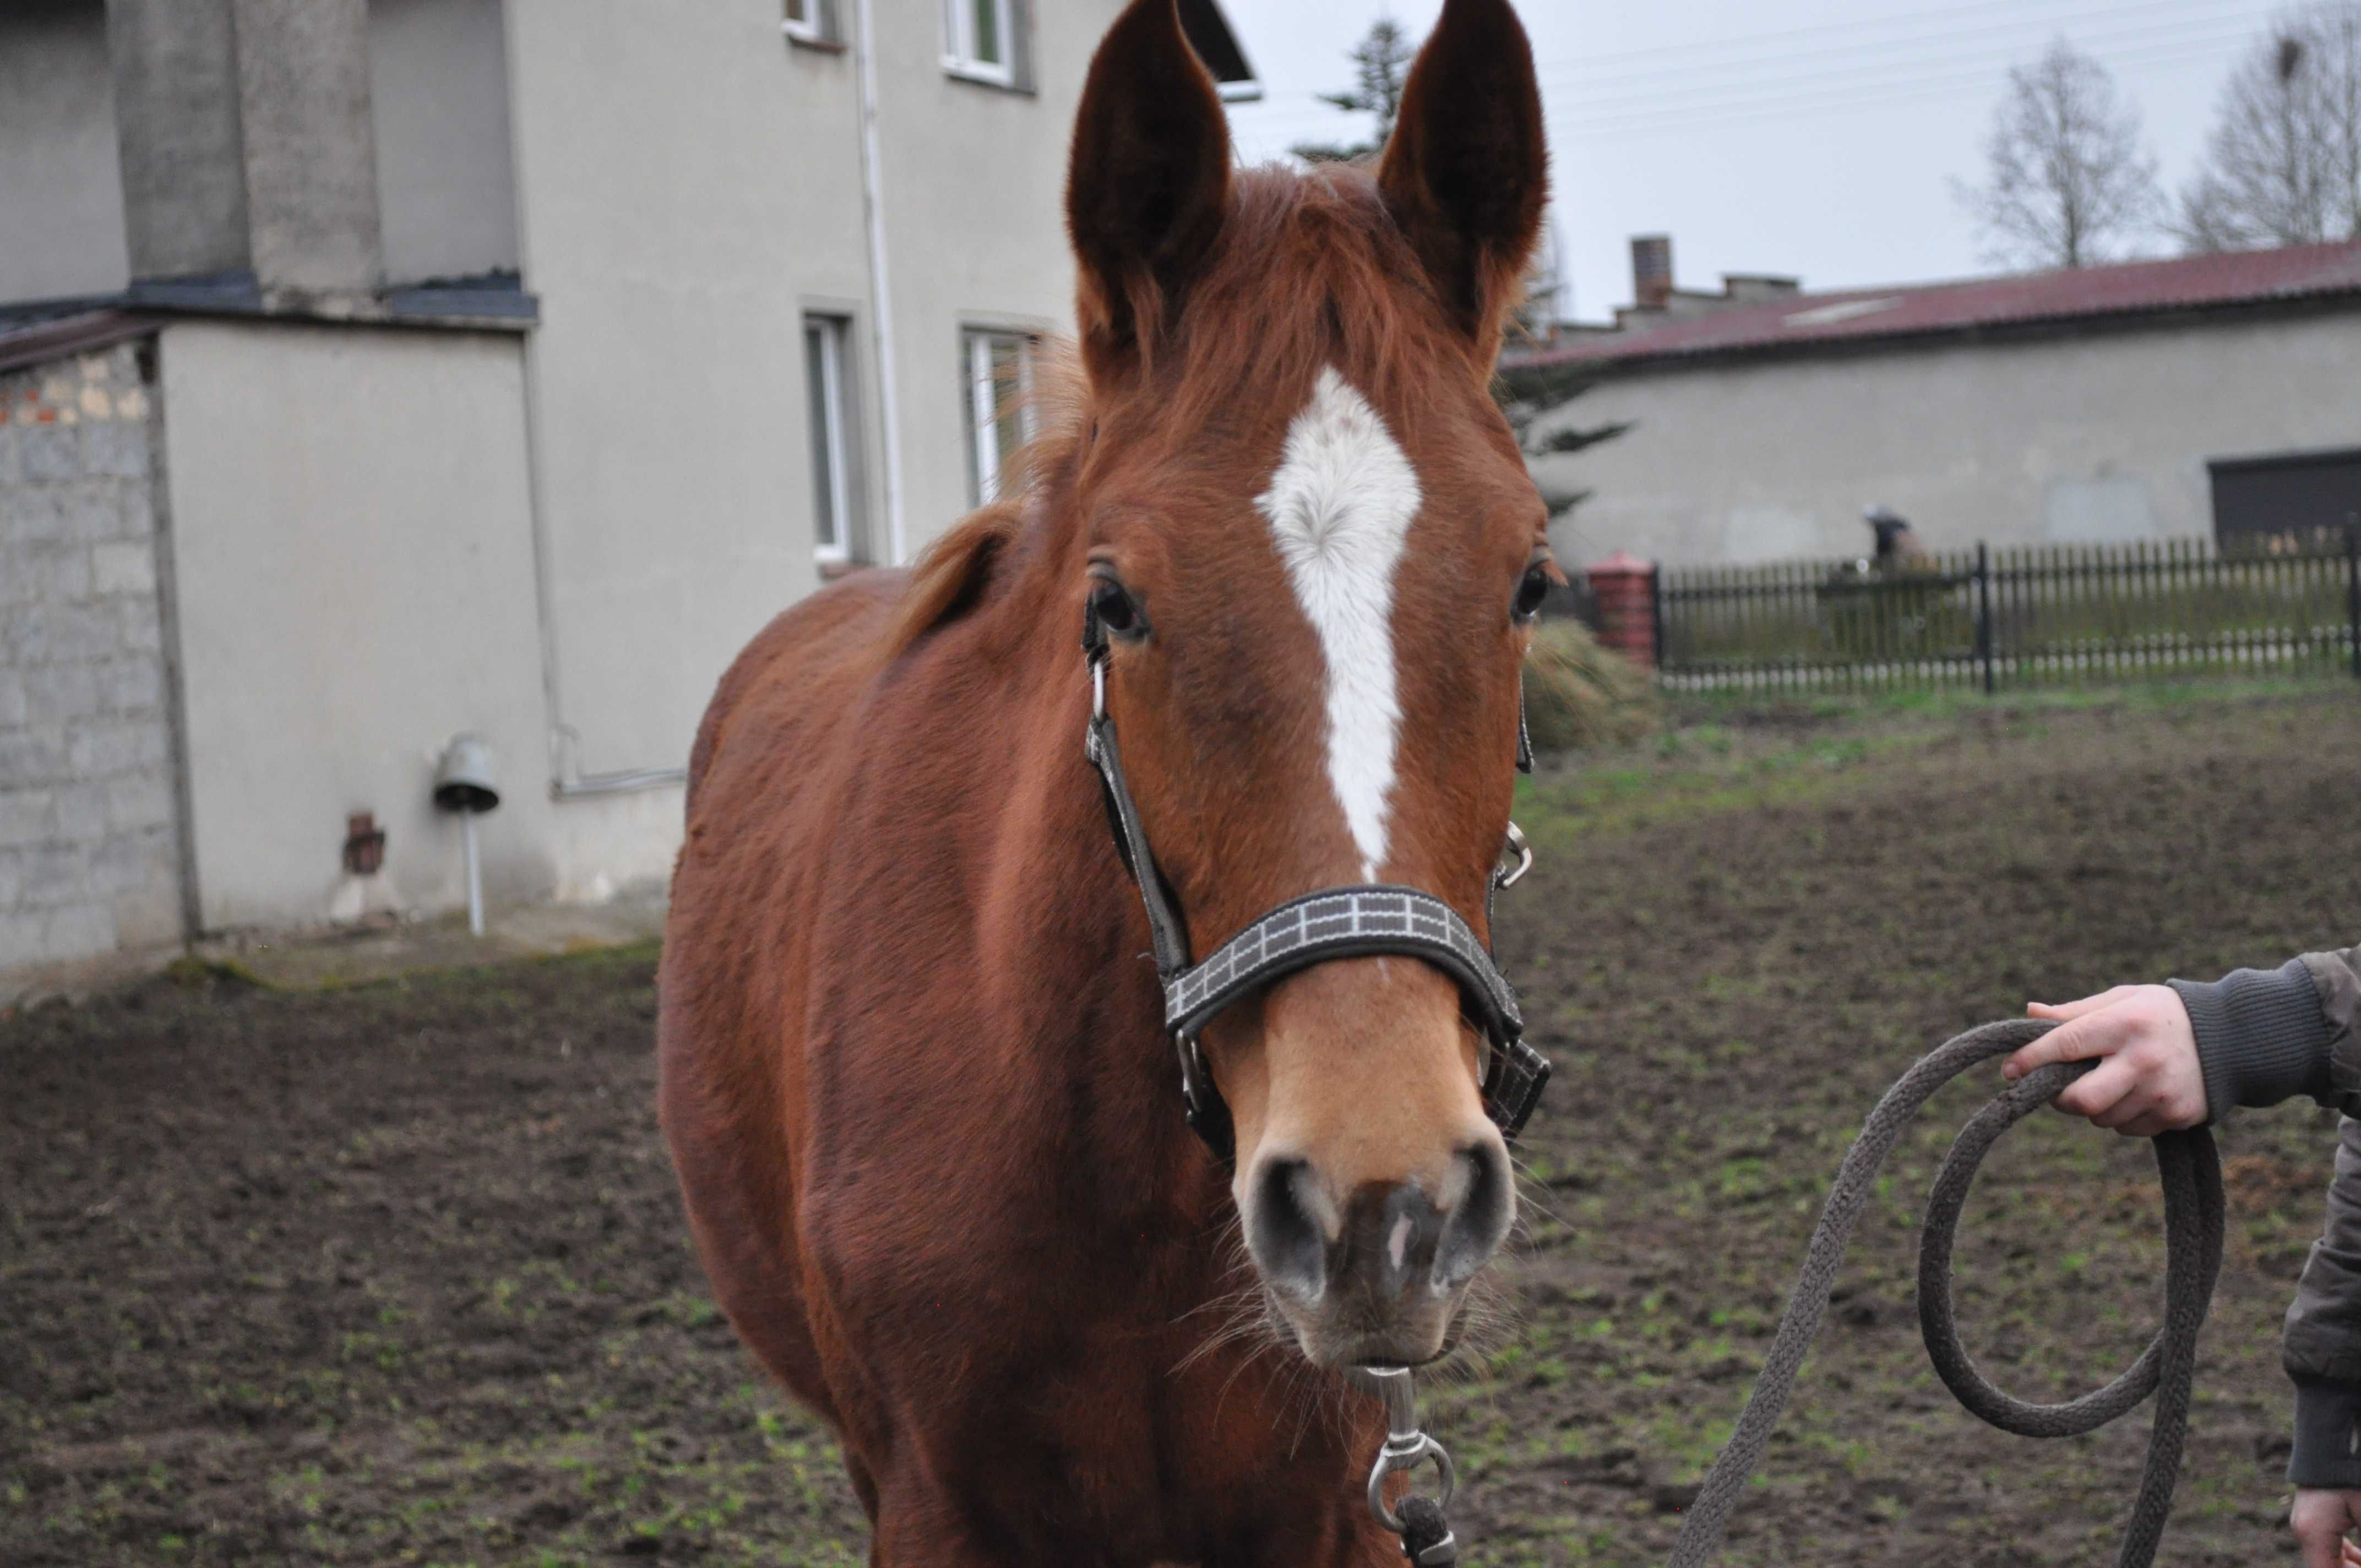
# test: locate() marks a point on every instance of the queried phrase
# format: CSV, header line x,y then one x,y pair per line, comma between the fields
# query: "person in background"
x,y
2182,1055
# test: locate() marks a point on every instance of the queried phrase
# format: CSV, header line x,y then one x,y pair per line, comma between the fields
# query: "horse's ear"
x,y
1147,185
1465,173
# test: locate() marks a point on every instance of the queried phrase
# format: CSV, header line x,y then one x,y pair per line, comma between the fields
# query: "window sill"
x,y
831,569
986,76
820,42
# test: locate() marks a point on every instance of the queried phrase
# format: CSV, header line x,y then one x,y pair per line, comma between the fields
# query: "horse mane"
x,y
1309,271
953,572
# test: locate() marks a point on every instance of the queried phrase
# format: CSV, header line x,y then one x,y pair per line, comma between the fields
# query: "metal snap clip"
x,y
1406,1445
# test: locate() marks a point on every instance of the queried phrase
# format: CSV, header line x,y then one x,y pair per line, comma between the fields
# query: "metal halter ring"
x,y
1405,1444
1516,846
1098,688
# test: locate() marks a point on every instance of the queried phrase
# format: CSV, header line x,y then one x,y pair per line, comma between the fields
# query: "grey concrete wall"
x,y
2100,438
311,158
659,155
90,841
354,559
667,375
60,183
439,90
183,160
975,204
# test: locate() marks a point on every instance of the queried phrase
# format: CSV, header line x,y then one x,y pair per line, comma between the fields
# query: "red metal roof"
x,y
1863,315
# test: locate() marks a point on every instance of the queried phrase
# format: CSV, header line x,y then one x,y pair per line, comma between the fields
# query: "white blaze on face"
x,y
1340,506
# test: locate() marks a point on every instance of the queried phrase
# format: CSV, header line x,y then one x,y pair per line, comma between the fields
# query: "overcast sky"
x,y
1810,137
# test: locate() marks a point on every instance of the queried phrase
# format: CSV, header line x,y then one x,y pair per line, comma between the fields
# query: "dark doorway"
x,y
2293,500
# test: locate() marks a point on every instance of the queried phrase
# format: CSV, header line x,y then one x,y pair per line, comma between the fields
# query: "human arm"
x,y
2180,1055
2177,1055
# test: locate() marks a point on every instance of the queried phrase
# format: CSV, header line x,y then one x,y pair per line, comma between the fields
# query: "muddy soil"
x,y
396,1273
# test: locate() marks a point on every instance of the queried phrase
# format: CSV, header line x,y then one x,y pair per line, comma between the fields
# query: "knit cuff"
x,y
2327,1436
2261,1036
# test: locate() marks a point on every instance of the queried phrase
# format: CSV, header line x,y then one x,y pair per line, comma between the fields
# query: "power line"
x,y
1805,84
1681,116
2103,22
2126,38
2126,46
1909,27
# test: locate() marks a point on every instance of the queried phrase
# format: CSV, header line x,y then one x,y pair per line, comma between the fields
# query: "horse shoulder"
x,y
760,776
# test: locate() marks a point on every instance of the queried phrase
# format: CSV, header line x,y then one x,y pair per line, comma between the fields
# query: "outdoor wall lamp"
x,y
462,783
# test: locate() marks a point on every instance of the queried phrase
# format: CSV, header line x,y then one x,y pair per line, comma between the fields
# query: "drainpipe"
x,y
881,307
566,782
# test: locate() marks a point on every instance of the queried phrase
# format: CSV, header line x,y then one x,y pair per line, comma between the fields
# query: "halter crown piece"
x,y
1355,921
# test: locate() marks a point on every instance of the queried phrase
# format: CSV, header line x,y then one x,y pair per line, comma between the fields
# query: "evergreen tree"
x,y
1380,65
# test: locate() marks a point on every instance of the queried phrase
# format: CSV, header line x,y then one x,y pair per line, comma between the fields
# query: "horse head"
x,y
1316,552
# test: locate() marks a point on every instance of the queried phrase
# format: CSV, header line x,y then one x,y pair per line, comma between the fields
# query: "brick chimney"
x,y
1651,269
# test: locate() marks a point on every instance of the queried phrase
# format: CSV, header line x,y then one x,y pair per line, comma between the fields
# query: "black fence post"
x,y
1983,612
2353,590
1656,611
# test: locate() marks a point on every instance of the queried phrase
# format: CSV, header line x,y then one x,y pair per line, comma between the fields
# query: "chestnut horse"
x,y
915,1075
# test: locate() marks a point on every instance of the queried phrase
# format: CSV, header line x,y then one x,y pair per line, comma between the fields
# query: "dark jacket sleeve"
x,y
2321,1345
2264,1037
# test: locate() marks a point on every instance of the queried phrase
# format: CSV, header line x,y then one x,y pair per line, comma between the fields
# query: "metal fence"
x,y
2052,614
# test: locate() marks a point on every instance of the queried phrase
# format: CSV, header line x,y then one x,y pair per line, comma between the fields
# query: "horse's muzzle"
x,y
1375,1281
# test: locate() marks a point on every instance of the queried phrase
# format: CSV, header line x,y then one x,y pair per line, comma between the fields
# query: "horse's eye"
x,y
1530,592
1116,611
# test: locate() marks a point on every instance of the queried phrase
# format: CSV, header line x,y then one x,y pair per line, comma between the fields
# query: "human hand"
x,y
2320,1520
2150,1080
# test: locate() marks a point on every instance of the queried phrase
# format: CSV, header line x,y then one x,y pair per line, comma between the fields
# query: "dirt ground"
x,y
396,1272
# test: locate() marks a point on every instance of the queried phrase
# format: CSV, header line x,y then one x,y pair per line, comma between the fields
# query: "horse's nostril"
x,y
1283,1229
1480,1221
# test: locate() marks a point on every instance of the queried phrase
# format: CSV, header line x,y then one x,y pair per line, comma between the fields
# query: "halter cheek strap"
x,y
1333,923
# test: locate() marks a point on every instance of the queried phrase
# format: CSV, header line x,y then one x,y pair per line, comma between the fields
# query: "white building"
x,y
2201,397
373,372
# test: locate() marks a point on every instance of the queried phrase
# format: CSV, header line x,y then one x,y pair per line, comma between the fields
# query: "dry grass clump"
x,y
1578,692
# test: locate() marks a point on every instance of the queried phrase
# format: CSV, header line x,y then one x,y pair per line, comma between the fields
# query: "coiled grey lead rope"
x,y
2192,1174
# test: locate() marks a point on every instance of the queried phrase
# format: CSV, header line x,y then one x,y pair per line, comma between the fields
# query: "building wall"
x,y
975,180
89,837
560,540
2098,438
657,166
353,555
60,183
439,95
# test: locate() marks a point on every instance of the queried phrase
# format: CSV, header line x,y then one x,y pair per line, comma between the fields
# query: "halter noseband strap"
x,y
1333,923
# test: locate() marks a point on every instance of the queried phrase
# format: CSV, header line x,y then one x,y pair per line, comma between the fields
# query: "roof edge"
x,y
66,336
2064,323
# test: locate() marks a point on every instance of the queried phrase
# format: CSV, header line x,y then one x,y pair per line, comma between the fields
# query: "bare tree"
x,y
1380,65
2066,182
2283,164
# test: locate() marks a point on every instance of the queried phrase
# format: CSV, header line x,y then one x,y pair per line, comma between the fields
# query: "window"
x,y
979,40
811,21
999,368
824,389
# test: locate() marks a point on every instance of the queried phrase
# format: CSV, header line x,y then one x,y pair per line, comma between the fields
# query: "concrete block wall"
x,y
90,835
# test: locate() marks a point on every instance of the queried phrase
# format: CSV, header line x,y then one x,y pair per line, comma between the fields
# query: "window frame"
x,y
828,421
818,27
986,411
959,57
